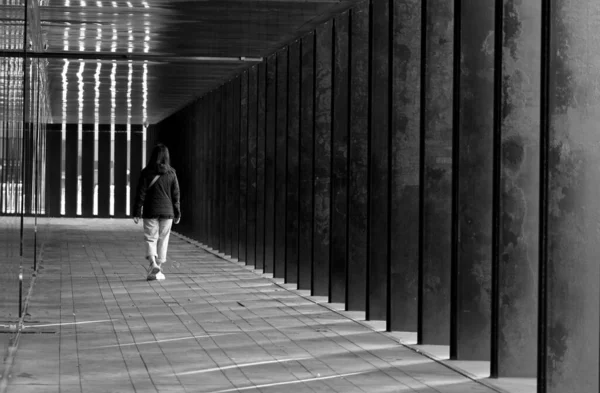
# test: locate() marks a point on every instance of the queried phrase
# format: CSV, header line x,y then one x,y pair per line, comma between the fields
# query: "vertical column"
x,y
120,171
569,268
212,169
233,197
434,296
53,171
305,193
222,169
339,170
322,162
71,160
377,272
237,166
472,210
293,164
516,252
225,228
270,126
260,167
280,164
104,170
87,171
251,200
135,162
201,152
227,131
405,165
356,297
242,256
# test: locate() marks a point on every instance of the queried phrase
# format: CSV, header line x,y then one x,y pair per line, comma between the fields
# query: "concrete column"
x,y
405,161
252,190
237,91
339,170
434,297
270,120
281,163
306,195
293,157
472,212
569,266
322,163
358,157
378,222
260,167
516,254
243,156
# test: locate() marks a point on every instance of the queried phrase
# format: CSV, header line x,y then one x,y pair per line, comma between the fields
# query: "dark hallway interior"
x,y
430,167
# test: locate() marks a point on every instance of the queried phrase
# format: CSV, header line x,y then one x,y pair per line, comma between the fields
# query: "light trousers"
x,y
156,235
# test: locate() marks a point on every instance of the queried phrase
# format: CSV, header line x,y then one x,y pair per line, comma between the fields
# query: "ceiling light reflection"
x,y
115,37
82,38
98,39
145,93
66,39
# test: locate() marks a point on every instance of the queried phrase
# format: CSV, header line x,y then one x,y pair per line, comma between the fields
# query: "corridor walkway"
x,y
95,324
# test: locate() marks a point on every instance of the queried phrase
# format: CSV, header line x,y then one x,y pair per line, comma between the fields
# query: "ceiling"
x,y
141,60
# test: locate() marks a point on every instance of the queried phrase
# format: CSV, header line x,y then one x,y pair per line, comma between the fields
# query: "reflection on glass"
x,y
66,38
65,86
80,103
113,106
96,134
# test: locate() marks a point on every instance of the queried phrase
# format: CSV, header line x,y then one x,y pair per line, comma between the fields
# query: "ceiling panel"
x,y
157,55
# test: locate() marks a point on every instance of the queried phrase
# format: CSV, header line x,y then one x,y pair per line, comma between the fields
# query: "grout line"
x,y
458,370
14,343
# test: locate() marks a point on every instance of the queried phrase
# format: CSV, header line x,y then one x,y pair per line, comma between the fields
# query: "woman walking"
x,y
157,203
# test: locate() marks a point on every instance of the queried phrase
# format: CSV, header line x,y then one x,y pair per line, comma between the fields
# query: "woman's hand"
x,y
176,221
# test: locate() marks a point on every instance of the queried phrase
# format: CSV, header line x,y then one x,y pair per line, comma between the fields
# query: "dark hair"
x,y
159,159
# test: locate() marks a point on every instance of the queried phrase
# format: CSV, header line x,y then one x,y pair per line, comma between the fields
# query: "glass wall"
x,y
24,114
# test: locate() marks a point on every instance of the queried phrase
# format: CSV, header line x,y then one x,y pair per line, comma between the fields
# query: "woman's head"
x,y
159,159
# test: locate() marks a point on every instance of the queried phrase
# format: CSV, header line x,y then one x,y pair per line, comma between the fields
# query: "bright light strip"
x,y
295,382
160,341
80,102
96,130
130,42
99,4
244,365
145,93
65,85
115,37
80,86
97,93
66,39
68,323
82,38
98,39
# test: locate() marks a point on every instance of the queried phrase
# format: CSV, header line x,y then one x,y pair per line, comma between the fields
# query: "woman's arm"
x,y
140,196
175,199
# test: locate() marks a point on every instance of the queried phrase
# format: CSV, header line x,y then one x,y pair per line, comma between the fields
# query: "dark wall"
x,y
389,160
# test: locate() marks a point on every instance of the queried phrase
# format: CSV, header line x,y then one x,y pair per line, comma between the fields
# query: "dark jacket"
x,y
162,199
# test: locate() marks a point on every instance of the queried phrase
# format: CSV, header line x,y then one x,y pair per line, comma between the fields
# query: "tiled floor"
x,y
96,325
